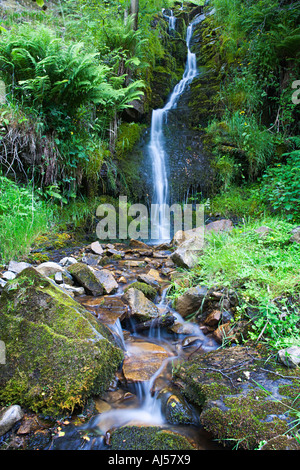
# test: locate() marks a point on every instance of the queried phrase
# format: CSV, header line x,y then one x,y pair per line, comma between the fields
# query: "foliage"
x,y
258,57
23,217
263,269
281,187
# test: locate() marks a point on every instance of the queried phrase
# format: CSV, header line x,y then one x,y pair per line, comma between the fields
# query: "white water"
x,y
171,18
157,149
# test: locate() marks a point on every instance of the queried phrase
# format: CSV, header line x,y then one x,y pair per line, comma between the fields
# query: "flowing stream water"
x,y
157,148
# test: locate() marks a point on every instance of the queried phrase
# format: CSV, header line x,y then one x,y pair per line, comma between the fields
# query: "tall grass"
x,y
22,218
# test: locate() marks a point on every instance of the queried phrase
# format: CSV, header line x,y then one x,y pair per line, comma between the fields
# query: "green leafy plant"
x,y
281,187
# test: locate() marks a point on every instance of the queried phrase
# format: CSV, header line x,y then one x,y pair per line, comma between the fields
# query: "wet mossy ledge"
x,y
245,398
57,353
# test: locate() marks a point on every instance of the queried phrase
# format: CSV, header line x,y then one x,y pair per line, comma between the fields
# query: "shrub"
x,y
281,187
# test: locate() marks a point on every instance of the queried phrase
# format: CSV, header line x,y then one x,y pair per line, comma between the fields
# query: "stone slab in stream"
x,y
143,360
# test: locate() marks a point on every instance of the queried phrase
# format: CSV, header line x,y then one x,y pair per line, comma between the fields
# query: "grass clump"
x,y
23,216
258,260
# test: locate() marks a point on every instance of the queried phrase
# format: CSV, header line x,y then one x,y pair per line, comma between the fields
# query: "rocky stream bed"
x,y
98,357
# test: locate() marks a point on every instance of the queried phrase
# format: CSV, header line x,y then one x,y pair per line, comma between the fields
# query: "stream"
x,y
136,398
138,395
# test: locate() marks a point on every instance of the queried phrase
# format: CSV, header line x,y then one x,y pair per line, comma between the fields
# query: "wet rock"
x,y
91,260
122,280
97,248
237,391
107,281
9,417
149,279
187,254
290,356
86,278
213,318
143,360
142,309
282,442
176,409
191,301
52,342
138,244
72,289
148,438
29,424
108,309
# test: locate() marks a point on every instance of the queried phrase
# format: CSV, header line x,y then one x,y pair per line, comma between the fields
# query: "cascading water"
x,y
157,150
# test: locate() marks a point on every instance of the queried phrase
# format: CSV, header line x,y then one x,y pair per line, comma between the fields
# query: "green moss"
x,y
128,136
148,291
246,421
57,354
148,438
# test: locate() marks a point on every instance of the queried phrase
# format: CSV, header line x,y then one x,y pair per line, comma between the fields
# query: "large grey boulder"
x,y
8,417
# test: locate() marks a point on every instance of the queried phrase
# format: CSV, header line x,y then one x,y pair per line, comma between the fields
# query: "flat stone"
x,y
143,360
97,248
10,416
148,279
107,281
16,267
108,309
49,268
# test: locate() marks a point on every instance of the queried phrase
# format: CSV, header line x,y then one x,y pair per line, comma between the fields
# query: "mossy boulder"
x,y
148,438
149,291
57,354
244,399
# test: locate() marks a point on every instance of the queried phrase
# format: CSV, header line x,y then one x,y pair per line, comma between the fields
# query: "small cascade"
x,y
157,150
118,333
171,19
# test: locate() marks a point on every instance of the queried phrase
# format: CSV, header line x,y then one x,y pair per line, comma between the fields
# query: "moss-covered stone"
x,y
242,398
148,291
148,438
57,354
86,278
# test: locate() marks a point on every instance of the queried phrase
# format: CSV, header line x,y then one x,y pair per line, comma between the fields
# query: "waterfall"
x,y
157,149
171,19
